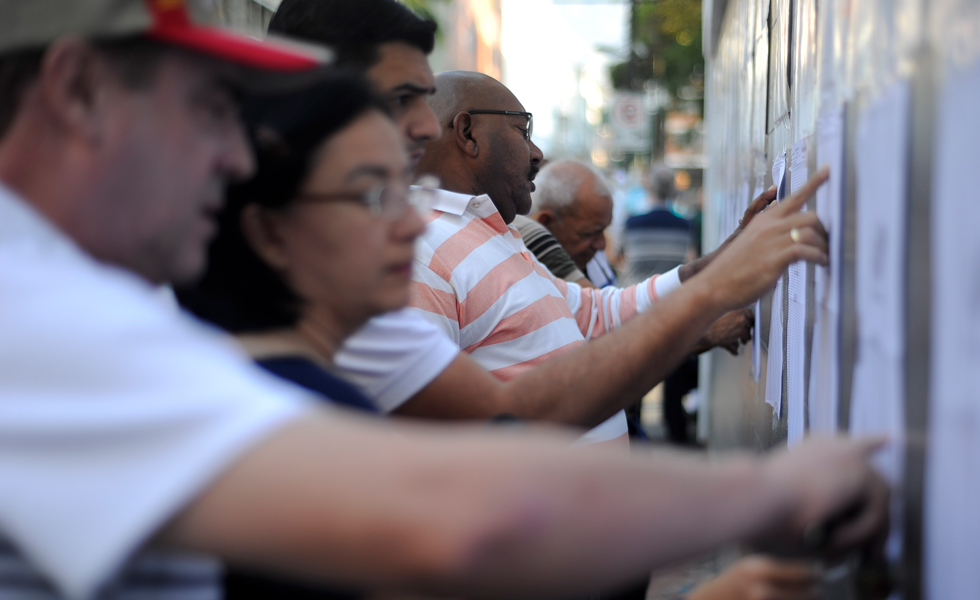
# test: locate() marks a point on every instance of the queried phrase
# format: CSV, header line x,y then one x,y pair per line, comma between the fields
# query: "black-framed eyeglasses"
x,y
385,200
528,129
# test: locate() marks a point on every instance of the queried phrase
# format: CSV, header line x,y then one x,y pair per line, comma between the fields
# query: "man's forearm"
x,y
468,513
584,386
590,384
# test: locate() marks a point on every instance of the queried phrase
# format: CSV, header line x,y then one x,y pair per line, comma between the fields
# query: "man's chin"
x,y
185,270
583,265
523,206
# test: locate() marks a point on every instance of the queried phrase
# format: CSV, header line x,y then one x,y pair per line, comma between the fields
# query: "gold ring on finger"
x,y
794,234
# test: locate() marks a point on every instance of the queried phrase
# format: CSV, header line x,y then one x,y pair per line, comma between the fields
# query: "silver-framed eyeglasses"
x,y
386,200
528,129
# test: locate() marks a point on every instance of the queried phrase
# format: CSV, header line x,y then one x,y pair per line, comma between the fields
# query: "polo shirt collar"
x,y
455,203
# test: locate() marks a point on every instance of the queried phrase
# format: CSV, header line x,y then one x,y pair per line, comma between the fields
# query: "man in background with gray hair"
x,y
574,202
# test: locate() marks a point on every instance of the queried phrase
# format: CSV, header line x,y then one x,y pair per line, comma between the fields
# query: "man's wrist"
x,y
690,269
706,298
687,270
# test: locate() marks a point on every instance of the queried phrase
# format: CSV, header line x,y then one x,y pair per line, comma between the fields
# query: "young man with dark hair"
x,y
385,40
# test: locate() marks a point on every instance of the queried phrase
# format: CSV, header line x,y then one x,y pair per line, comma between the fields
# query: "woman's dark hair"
x,y
239,292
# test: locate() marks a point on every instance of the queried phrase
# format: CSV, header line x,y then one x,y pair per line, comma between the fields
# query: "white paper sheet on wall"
x,y
822,400
729,209
951,519
796,319
779,175
757,310
878,394
774,364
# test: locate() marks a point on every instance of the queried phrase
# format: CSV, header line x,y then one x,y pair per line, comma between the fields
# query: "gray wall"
x,y
774,67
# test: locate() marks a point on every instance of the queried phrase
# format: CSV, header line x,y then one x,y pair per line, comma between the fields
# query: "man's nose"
x,y
600,241
423,124
536,155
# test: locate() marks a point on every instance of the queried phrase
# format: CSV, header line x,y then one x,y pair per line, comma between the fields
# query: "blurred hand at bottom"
x,y
759,577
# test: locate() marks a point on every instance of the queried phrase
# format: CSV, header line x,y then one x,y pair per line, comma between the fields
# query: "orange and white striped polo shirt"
x,y
477,281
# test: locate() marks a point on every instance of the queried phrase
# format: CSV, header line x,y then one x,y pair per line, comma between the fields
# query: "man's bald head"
x,y
481,153
458,91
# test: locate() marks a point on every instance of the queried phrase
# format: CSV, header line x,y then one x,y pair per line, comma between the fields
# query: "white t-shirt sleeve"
x,y
115,411
394,356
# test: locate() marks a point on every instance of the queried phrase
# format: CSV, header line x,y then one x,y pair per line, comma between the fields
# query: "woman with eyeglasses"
x,y
320,240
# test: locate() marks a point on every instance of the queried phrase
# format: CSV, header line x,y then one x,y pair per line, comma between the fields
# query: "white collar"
x,y
455,203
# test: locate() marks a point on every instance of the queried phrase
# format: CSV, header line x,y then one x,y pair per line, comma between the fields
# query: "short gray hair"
x,y
557,183
660,181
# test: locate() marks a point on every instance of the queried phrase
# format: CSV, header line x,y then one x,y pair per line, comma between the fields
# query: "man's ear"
x,y
74,85
463,135
545,217
260,229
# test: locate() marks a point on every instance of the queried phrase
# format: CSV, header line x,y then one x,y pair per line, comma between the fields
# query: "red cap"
x,y
173,24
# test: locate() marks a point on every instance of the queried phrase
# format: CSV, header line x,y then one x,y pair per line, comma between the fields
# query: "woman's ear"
x,y
463,135
261,230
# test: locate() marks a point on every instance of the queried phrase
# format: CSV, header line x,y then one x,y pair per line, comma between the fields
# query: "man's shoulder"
x,y
394,355
394,334
404,324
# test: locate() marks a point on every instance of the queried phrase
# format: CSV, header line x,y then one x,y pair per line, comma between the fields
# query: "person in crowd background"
x,y
549,252
574,202
656,241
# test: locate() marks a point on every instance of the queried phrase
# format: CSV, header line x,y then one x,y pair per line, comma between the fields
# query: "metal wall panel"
x,y
778,66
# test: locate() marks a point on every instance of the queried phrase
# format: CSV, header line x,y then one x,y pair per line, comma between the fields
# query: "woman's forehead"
x,y
372,139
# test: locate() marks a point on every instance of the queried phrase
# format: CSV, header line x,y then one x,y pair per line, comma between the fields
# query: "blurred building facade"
x,y
468,38
248,16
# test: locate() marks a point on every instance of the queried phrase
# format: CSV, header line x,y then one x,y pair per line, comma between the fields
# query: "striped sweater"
x,y
477,281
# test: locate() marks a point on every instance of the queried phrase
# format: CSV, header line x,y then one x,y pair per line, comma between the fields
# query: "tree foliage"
x,y
668,48
423,7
